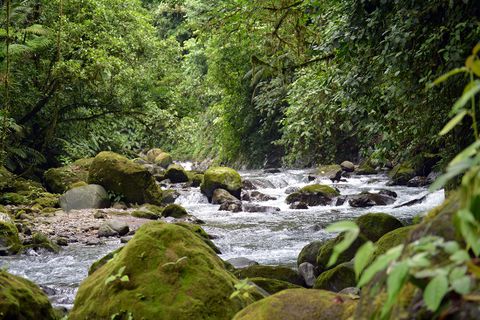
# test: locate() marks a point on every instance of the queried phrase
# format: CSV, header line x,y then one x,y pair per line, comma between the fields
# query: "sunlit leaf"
x,y
395,281
380,264
466,97
453,122
362,257
448,75
435,291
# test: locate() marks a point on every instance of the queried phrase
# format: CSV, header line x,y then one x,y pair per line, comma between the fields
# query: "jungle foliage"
x,y
297,82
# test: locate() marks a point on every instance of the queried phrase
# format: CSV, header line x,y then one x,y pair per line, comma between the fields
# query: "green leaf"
x,y
447,75
476,49
460,256
395,281
457,273
380,264
125,278
362,257
342,226
452,171
419,260
436,289
451,247
469,151
466,97
462,285
110,279
351,231
453,122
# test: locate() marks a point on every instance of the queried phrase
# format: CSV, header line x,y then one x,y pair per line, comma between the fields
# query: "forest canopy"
x,y
245,83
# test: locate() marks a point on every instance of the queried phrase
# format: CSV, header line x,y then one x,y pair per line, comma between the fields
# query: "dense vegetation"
x,y
242,82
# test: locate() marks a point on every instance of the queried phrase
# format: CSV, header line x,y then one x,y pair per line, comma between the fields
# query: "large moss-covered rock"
x,y
401,174
326,251
59,180
309,253
390,240
123,177
9,240
198,231
163,160
39,240
21,299
313,195
374,225
273,286
6,178
300,304
172,274
153,153
176,173
336,279
175,211
221,178
270,272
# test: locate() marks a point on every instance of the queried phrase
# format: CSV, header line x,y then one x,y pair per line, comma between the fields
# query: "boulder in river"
x,y
92,196
9,240
164,272
271,272
221,178
314,195
258,196
347,166
374,225
125,178
300,304
251,207
175,211
113,228
176,174
401,174
153,153
248,185
336,279
298,206
309,253
220,196
367,199
272,286
418,181
233,206
59,180
308,273
326,251
22,299
390,240
241,262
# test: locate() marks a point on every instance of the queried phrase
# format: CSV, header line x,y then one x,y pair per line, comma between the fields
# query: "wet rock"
x,y
401,174
350,291
246,196
300,304
365,169
91,196
412,202
309,253
327,171
258,196
100,215
326,250
313,195
22,299
233,206
176,174
387,192
248,185
221,178
163,262
113,228
336,279
120,206
163,160
272,170
271,272
347,166
197,180
145,214
251,207
367,199
291,190
63,242
152,154
336,177
39,240
125,239
174,211
123,177
221,196
9,239
272,286
307,271
59,180
418,181
241,262
374,225
311,178
298,206
169,196
341,201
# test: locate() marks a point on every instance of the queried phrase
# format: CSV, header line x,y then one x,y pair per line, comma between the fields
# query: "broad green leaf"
x,y
469,229
380,264
453,122
362,257
452,171
348,238
466,97
473,64
419,260
476,49
457,273
436,289
451,247
460,256
466,153
125,278
342,226
462,285
448,75
395,281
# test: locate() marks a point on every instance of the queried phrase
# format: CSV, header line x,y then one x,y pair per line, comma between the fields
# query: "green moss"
x,y
401,174
221,178
300,304
77,184
375,225
6,178
273,286
119,175
270,272
176,173
336,279
153,208
102,261
59,180
39,240
365,169
320,188
326,251
172,275
197,179
164,159
309,253
14,198
174,211
152,154
390,240
9,240
197,230
47,200
145,215
22,299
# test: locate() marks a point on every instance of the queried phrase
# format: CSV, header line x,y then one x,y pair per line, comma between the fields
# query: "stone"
x,y
347,166
174,211
176,174
9,240
197,180
59,180
326,251
307,271
309,253
39,240
248,185
152,154
374,225
113,228
298,206
411,202
91,196
418,181
172,274
300,304
390,240
233,206
350,291
272,286
258,196
336,279
100,215
251,207
272,170
145,214
271,272
401,174
326,171
367,199
220,196
221,178
123,177
341,201
313,195
291,190
241,262
22,299
387,192
163,160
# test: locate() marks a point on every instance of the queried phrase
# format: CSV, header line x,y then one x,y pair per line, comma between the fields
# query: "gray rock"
x,y
250,207
241,262
340,201
92,196
291,190
113,228
248,185
347,166
307,271
350,291
233,206
220,196
389,193
258,196
418,181
367,199
298,206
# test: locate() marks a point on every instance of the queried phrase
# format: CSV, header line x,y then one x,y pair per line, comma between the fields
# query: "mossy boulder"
x,y
39,240
46,200
9,240
145,214
92,196
390,240
23,300
59,180
100,262
197,179
401,174
326,250
163,160
336,279
176,173
365,169
374,225
152,154
273,286
119,175
174,211
198,231
300,304
172,274
328,170
309,253
221,178
6,178
270,272
313,195
14,199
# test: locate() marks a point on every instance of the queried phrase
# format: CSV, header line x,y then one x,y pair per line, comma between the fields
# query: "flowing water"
x,y
268,238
